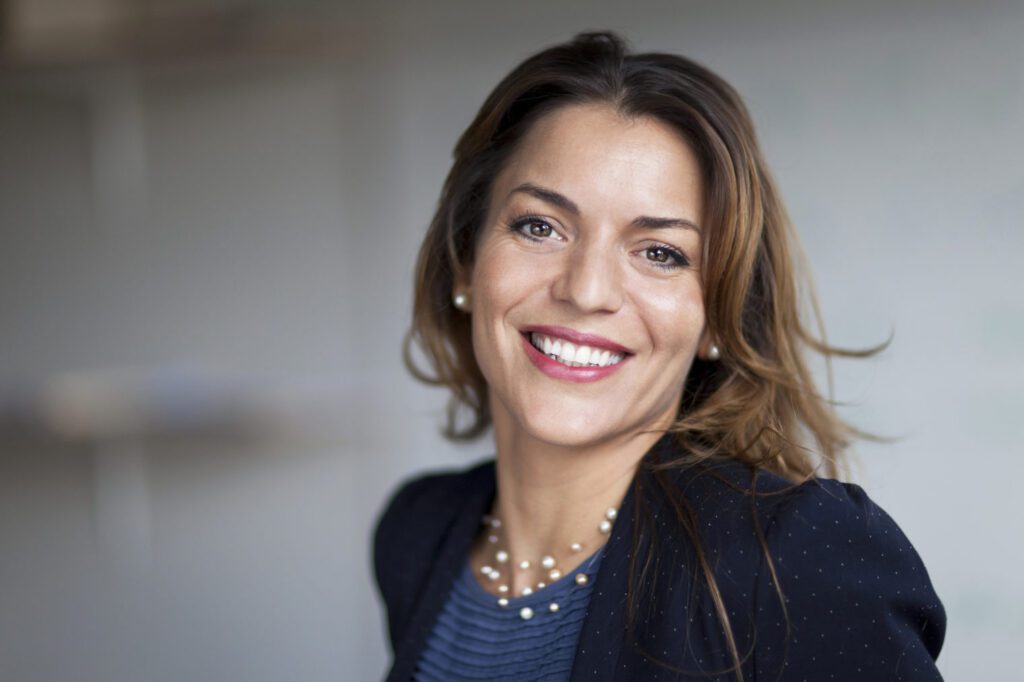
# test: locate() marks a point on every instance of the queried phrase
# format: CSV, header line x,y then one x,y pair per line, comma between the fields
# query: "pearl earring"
x,y
714,353
460,301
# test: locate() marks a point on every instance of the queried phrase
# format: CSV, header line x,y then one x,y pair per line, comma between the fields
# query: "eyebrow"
x,y
560,200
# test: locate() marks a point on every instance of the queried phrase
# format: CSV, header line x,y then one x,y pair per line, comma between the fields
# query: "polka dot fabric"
x,y
858,602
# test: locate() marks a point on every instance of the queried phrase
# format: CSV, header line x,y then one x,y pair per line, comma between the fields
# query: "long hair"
x,y
758,403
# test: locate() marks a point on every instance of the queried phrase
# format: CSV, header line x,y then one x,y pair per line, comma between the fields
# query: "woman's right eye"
x,y
532,227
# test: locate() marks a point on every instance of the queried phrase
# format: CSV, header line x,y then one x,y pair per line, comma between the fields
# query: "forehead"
x,y
600,158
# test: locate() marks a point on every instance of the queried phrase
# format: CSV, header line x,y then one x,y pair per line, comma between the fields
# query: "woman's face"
x,y
591,245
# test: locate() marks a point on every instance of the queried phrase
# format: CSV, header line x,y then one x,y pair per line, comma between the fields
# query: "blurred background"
x,y
209,213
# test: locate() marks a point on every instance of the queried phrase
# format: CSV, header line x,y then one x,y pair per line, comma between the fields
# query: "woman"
x,y
609,282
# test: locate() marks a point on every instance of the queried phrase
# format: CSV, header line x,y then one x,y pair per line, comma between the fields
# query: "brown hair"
x,y
758,403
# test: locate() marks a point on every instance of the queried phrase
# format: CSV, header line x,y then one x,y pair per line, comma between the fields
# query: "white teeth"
x,y
575,356
568,353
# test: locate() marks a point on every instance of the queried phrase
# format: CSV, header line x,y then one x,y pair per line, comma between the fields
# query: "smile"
x,y
600,362
573,355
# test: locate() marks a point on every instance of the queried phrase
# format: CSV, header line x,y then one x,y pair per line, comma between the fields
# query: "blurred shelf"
x,y
141,404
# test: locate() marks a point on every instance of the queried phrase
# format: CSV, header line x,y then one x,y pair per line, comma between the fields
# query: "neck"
x,y
550,496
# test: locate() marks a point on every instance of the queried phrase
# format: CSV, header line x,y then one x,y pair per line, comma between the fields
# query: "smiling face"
x,y
590,252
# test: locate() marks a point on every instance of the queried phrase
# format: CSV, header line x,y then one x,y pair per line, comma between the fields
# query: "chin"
x,y
568,429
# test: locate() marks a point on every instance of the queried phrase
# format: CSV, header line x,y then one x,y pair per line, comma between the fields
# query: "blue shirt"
x,y
476,639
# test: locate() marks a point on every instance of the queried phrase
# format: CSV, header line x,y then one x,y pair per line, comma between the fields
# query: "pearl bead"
x,y
547,562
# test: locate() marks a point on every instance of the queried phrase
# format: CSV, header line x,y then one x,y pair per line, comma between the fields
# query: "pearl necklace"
x,y
547,562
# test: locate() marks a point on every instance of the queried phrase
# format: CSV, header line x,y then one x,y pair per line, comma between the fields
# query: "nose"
x,y
590,277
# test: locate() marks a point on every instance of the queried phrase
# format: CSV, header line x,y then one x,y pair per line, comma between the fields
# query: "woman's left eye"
x,y
532,227
666,257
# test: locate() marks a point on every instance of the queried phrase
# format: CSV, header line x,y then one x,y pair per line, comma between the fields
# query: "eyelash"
x,y
516,225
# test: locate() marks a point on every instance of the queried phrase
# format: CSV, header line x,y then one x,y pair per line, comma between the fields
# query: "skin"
x,y
568,451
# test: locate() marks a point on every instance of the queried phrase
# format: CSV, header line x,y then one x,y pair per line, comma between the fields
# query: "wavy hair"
x,y
758,403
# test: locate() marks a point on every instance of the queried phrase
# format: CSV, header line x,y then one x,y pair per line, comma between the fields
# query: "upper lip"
x,y
579,338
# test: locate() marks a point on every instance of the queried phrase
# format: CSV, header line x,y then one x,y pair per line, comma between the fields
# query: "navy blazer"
x,y
859,604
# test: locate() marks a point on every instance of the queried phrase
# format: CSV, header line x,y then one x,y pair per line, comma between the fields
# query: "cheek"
x,y
501,282
504,276
675,317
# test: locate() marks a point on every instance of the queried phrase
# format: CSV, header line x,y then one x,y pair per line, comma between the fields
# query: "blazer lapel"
x,y
599,655
600,642
476,497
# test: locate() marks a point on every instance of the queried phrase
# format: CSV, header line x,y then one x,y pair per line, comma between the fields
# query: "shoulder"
x,y
845,595
411,527
837,518
422,505
849,586
827,525
820,518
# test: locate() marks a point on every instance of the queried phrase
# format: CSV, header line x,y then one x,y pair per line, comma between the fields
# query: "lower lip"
x,y
557,370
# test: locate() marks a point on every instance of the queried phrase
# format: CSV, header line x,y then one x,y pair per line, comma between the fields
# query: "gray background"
x,y
254,217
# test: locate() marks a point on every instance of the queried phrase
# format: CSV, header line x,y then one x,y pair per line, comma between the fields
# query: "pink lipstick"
x,y
557,370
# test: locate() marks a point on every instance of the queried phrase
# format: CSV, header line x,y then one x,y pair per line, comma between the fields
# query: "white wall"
x,y
283,206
